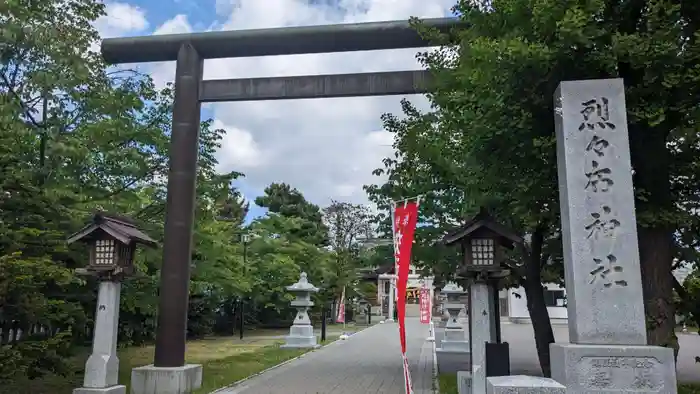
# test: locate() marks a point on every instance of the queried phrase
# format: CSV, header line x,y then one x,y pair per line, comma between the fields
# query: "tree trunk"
x,y
656,257
541,325
534,292
654,201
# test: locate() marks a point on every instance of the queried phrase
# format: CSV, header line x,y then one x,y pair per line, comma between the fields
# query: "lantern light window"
x,y
483,251
104,252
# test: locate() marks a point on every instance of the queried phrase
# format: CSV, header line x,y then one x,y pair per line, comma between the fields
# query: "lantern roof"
x,y
452,288
476,225
121,228
303,285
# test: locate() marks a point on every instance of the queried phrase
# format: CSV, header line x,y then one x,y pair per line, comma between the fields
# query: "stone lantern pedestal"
x,y
102,367
301,333
454,353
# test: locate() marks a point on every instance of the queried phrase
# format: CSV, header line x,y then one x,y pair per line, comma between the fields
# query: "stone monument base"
x,y
458,345
166,380
520,384
464,382
300,337
608,369
452,361
300,342
118,389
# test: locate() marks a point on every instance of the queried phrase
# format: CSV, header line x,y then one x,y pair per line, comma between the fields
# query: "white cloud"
x,y
121,19
239,150
178,24
326,148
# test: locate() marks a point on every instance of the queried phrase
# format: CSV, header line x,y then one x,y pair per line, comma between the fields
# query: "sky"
x,y
326,148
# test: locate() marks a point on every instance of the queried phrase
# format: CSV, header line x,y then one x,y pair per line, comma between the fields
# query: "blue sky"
x,y
325,148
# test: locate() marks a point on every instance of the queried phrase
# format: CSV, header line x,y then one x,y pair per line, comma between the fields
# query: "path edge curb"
x,y
241,381
436,377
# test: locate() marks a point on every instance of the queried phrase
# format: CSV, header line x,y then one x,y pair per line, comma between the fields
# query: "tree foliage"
x,y
488,139
348,225
287,201
76,137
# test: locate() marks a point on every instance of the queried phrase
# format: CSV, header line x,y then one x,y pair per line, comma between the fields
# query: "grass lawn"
x,y
448,385
225,361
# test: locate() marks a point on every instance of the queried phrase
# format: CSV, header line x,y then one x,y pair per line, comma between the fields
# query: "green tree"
x,y
348,225
281,198
72,137
276,259
75,138
490,138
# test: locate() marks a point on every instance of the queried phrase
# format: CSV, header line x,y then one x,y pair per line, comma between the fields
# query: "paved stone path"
x,y
368,362
524,361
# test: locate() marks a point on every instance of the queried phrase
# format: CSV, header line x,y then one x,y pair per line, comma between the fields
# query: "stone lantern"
x,y
453,352
363,308
301,334
454,332
112,243
483,242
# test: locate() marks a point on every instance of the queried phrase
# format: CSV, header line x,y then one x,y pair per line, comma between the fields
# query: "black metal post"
x,y
241,319
171,332
323,322
497,311
245,269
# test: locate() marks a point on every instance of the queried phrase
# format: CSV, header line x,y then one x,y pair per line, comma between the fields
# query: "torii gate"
x,y
189,50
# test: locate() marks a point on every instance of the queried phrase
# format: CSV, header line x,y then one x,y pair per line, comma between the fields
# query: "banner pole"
x,y
392,281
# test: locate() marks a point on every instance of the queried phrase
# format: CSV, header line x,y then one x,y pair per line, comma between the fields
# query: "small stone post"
x,y
301,334
102,367
608,352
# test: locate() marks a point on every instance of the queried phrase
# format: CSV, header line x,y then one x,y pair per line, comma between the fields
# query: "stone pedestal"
x,y
519,384
454,339
481,331
301,336
453,353
464,382
102,367
608,353
606,369
361,318
301,333
166,380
